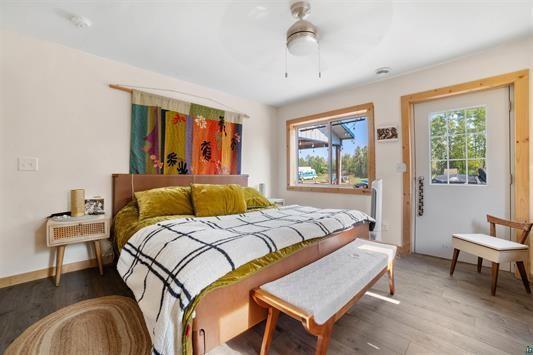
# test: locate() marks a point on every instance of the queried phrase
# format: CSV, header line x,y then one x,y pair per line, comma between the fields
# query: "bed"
x,y
225,309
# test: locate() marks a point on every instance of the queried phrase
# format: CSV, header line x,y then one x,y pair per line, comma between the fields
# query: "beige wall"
x,y
386,98
55,105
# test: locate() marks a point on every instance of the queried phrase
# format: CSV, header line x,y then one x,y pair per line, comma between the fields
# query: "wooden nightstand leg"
x,y
60,252
98,252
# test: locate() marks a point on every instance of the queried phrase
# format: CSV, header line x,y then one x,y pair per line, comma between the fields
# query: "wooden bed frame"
x,y
224,313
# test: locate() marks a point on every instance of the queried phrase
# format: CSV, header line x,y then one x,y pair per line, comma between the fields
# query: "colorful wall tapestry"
x,y
170,137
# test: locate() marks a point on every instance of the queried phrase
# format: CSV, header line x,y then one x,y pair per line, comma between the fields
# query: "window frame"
x,y
447,135
292,125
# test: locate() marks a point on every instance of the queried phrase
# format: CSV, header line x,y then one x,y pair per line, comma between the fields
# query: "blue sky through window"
x,y
359,130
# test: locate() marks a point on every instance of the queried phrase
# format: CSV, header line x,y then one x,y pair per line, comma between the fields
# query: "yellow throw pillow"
x,y
164,201
217,200
254,199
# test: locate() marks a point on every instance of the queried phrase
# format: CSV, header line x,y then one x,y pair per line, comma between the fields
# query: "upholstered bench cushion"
x,y
325,286
490,242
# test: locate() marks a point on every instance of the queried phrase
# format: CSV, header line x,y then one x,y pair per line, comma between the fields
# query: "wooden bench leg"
x,y
272,319
523,274
323,339
454,260
495,269
479,263
391,279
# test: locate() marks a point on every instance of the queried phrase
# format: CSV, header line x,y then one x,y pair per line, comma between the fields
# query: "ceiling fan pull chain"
x,y
319,68
286,74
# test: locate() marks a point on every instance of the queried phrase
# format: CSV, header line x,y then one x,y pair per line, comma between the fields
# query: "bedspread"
x,y
168,264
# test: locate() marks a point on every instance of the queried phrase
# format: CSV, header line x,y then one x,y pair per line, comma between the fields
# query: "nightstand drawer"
x,y
60,233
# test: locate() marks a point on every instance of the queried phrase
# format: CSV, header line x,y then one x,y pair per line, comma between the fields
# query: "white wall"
x,y
386,98
56,106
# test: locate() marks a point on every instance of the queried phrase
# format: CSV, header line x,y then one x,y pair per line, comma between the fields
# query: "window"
x,y
333,151
458,145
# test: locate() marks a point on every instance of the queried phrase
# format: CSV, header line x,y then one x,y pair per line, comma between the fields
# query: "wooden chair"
x,y
495,249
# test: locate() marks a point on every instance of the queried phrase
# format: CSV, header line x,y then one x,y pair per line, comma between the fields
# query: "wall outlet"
x,y
28,164
385,227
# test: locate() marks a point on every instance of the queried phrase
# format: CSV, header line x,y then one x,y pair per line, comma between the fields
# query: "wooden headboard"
x,y
124,185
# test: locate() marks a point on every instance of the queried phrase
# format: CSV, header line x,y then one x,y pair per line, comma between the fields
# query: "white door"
x,y
462,167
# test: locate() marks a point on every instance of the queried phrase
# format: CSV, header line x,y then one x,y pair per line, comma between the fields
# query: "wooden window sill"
x,y
330,189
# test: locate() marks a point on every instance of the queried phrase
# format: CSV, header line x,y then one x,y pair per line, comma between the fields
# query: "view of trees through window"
x,y
334,152
459,146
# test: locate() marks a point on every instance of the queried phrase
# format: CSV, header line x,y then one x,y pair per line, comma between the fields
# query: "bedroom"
x,y
313,130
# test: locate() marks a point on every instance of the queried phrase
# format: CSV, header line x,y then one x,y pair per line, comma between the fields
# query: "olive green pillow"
x,y
254,199
164,201
217,200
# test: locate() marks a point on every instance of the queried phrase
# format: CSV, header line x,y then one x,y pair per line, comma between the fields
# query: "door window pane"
x,y
438,125
438,172
439,147
477,145
475,119
456,122
477,171
458,145
457,172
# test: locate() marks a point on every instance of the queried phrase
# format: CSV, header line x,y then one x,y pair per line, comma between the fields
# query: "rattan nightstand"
x,y
63,231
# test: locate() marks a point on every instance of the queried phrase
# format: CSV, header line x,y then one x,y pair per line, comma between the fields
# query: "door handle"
x,y
420,203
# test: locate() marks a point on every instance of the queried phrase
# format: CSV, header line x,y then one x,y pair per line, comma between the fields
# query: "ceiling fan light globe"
x,y
302,44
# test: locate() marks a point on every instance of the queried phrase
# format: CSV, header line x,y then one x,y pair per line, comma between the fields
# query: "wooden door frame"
x,y
520,82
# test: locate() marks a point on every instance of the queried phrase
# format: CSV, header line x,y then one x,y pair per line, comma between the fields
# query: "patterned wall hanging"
x,y
170,136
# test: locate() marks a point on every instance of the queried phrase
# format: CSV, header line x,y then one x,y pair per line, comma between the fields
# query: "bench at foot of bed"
x,y
322,292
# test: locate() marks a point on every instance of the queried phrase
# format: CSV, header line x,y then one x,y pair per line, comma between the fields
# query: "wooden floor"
x,y
24,304
436,314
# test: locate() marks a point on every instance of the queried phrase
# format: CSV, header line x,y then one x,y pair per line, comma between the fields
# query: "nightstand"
x,y
62,231
277,201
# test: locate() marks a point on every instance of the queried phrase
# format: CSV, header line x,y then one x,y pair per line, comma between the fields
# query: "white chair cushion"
x,y
491,242
323,287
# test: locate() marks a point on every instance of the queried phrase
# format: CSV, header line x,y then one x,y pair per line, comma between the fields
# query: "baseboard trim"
x,y
49,272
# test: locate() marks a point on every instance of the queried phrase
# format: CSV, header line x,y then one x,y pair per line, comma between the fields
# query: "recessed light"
x,y
80,21
383,71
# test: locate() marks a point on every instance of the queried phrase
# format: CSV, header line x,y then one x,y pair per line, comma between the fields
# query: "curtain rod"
x,y
129,89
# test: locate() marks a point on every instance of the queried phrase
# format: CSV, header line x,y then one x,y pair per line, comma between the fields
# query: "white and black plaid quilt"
x,y
168,264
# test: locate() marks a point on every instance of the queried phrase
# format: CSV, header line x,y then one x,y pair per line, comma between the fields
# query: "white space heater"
x,y
376,208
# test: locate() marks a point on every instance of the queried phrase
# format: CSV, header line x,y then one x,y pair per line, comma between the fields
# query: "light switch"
x,y
401,168
28,164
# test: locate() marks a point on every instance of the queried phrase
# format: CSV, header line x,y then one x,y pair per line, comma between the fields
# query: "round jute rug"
x,y
105,325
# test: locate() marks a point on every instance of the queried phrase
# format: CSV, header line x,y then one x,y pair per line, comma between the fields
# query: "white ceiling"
x,y
238,46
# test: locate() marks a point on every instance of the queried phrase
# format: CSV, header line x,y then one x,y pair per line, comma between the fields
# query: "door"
x,y
462,168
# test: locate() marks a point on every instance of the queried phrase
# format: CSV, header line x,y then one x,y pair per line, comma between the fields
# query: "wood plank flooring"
x,y
24,304
436,314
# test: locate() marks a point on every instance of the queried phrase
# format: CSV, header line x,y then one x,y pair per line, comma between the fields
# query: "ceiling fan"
x,y
302,36
335,34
